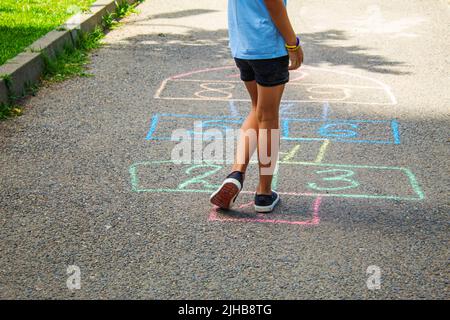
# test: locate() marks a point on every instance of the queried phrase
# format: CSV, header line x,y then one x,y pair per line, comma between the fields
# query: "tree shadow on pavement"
x,y
325,47
180,14
318,50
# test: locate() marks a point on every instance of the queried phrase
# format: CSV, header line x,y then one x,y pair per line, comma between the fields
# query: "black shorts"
x,y
266,72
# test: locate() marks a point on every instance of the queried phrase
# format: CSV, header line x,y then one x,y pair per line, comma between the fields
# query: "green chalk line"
x,y
413,181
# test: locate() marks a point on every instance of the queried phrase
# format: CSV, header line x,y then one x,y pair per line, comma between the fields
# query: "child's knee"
x,y
264,115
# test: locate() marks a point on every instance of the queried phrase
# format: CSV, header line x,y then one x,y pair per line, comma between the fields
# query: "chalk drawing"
x,y
402,175
343,92
326,107
297,75
321,92
292,129
315,179
263,218
327,130
321,153
306,170
233,110
291,154
215,87
343,176
201,178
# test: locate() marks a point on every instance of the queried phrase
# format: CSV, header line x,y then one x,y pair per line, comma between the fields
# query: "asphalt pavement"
x,y
87,177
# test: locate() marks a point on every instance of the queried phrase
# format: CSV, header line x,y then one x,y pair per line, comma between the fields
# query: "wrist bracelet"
x,y
297,45
294,49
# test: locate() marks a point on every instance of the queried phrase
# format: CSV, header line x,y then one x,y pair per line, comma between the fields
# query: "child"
x,y
262,43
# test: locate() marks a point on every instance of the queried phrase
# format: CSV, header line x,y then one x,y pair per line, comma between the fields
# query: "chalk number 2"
x,y
200,178
340,179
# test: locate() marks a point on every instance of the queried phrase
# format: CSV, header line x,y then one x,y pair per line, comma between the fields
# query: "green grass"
x,y
71,61
24,21
68,63
123,9
7,111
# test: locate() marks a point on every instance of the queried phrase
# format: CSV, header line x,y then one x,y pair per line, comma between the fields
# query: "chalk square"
x,y
348,188
292,129
314,220
306,84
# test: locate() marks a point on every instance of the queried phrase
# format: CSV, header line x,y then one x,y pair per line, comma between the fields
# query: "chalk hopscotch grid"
x,y
159,117
394,125
380,85
262,218
310,99
413,182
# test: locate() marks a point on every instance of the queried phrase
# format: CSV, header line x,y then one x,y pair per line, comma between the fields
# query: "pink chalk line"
x,y
260,217
302,75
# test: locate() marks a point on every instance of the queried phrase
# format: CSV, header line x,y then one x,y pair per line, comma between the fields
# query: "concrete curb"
x,y
51,43
25,69
88,21
3,92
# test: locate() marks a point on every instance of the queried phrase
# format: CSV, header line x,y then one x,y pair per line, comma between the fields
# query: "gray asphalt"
x,y
67,165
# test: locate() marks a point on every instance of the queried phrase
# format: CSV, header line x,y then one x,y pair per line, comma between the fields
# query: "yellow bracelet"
x,y
293,48
297,45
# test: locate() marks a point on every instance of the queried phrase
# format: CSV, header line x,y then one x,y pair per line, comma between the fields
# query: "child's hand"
x,y
296,58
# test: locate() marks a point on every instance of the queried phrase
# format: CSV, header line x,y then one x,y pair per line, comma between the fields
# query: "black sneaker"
x,y
225,196
266,202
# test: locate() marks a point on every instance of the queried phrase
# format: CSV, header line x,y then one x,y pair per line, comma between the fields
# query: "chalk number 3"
x,y
343,178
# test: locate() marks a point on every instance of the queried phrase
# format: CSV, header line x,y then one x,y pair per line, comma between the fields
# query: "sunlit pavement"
x,y
87,182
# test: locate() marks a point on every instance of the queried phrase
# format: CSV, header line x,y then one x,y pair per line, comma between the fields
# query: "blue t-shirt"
x,y
253,35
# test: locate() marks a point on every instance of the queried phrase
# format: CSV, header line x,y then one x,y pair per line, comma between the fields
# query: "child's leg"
x,y
267,113
225,196
246,145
